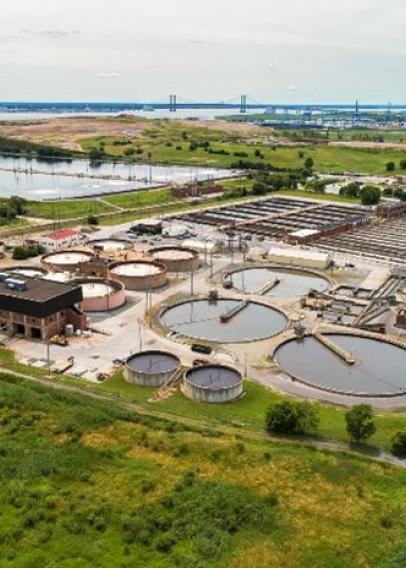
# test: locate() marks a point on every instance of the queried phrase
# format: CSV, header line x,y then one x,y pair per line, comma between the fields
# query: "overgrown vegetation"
x,y
85,483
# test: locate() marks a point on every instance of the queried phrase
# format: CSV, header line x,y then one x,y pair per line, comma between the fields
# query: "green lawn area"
x,y
66,209
88,484
326,158
146,198
249,412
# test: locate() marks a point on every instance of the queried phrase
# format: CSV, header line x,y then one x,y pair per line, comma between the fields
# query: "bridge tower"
x,y
172,103
243,104
389,113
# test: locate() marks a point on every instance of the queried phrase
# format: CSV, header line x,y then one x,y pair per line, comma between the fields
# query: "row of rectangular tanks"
x,y
205,383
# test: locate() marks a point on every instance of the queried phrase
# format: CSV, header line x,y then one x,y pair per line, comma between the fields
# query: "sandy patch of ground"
x,y
366,144
66,131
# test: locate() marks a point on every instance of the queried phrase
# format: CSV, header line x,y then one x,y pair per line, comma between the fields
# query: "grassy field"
x,y
326,158
86,484
249,412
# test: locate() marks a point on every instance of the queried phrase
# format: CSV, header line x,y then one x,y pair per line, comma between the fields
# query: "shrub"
x,y
360,422
390,167
92,220
399,444
291,417
370,195
309,163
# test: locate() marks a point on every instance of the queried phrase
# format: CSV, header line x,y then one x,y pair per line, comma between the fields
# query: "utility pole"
x,y
191,283
48,355
140,334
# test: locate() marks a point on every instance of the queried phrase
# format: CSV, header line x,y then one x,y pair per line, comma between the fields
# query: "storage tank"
x,y
213,383
139,274
150,368
100,294
176,259
65,261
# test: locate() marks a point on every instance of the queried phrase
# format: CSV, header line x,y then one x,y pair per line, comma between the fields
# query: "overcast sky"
x,y
272,50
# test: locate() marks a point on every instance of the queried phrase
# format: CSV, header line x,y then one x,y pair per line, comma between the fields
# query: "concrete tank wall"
x,y
103,302
70,265
143,281
176,259
145,377
212,394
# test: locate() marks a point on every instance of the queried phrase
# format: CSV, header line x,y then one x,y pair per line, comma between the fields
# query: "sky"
x,y
272,50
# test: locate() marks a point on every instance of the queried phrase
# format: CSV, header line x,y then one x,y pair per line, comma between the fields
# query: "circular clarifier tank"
x,y
139,274
213,383
66,260
150,368
378,368
278,283
176,259
100,295
224,321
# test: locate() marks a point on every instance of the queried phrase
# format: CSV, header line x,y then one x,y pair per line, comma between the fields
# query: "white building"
x,y
299,257
61,239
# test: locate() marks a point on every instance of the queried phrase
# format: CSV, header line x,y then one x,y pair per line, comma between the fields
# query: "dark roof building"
x,y
40,298
38,308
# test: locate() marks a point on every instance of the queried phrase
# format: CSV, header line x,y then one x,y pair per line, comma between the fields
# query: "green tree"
x,y
390,167
309,163
92,220
352,189
399,444
402,164
360,422
370,195
291,417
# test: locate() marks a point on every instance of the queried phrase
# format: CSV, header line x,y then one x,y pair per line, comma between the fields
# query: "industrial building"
x,y
391,209
299,257
38,309
61,239
196,190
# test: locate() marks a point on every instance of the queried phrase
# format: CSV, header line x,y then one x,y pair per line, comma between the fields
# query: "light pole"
x,y
191,283
140,334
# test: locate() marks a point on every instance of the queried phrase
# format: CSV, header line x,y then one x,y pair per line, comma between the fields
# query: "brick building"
x,y
38,309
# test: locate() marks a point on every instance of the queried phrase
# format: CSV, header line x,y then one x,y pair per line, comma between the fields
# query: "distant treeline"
x,y
30,149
